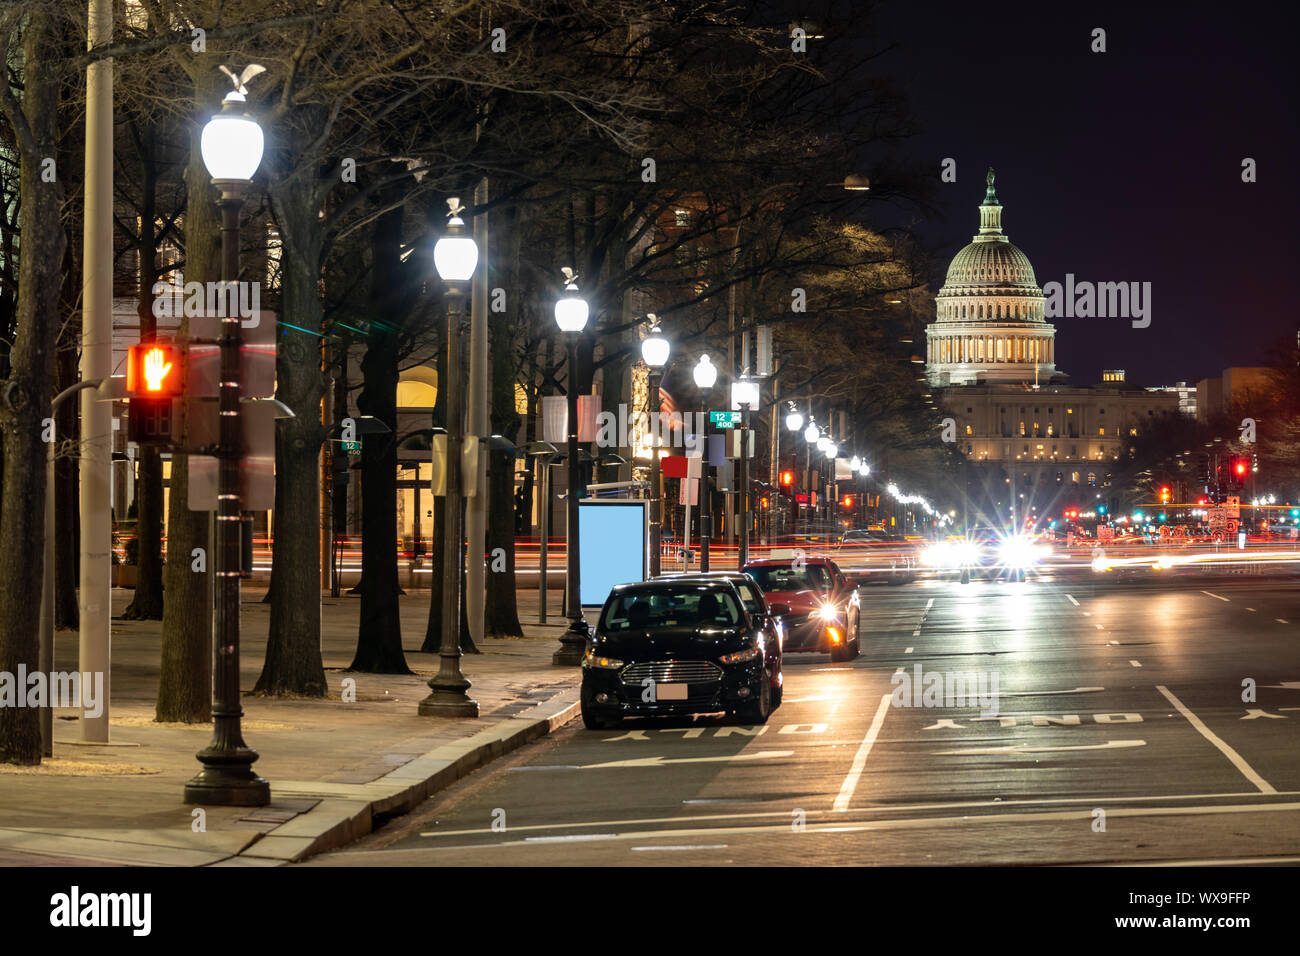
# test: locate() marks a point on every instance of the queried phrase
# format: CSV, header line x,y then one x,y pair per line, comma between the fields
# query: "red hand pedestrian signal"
x,y
154,371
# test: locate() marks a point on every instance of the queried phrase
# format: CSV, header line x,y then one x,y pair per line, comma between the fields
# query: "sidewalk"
x,y
333,766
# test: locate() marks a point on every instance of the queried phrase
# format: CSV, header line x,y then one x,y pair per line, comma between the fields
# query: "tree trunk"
x,y
147,604
502,608
185,670
293,660
27,395
379,635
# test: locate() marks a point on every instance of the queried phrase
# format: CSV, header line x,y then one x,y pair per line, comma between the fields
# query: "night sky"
x,y
1122,166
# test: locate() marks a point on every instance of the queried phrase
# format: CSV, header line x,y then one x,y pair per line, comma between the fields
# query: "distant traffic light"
x,y
1165,494
787,479
847,501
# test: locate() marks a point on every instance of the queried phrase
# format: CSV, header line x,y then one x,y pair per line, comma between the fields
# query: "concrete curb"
x,y
347,812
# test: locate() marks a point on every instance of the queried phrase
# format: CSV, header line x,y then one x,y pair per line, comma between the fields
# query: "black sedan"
x,y
681,645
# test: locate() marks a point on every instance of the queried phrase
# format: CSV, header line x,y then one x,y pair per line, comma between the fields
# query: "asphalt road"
x,y
1116,732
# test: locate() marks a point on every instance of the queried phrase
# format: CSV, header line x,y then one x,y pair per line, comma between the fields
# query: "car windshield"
x,y
786,577
679,606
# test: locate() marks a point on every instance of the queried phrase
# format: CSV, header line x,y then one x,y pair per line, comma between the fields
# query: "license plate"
x,y
670,691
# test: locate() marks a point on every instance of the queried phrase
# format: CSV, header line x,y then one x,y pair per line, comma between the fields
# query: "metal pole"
x,y
476,508
447,697
744,485
545,462
656,492
94,595
706,500
227,777
46,656
573,642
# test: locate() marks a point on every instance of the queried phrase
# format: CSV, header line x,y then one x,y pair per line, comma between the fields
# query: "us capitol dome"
x,y
989,325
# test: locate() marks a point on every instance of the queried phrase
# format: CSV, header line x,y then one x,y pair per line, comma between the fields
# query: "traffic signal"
x,y
763,502
847,501
787,479
155,376
1165,494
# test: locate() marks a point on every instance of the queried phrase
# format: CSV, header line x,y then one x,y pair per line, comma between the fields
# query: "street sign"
x,y
725,419
351,447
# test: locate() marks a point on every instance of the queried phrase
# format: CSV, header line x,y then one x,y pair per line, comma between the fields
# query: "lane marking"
x,y
1087,613
1099,627
1238,861
1136,663
1018,749
860,758
890,808
1232,755
1073,601
702,846
1046,693
1279,620
1250,609
917,632
664,761
929,604
1217,597
910,824
907,651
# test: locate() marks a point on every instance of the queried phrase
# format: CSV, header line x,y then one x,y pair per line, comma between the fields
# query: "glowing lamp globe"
x,y
811,434
455,255
706,373
855,462
571,310
794,421
231,144
654,349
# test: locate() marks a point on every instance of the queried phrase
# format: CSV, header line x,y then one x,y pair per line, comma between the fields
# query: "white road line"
x,y
1087,613
1099,627
1217,597
702,846
908,651
929,604
1020,749
1279,620
888,808
1136,663
1250,609
1072,600
1232,755
917,632
860,758
964,821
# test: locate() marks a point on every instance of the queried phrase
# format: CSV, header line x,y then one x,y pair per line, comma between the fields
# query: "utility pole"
x,y
97,364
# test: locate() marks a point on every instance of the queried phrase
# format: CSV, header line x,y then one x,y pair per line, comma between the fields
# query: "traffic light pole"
x,y
227,778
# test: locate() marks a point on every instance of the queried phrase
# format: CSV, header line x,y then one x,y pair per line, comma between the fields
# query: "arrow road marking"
x,y
1015,749
663,761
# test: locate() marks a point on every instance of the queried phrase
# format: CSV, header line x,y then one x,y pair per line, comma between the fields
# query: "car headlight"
x,y
828,612
605,663
748,654
968,553
1018,553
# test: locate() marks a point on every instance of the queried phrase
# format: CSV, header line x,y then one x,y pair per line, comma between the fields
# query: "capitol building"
x,y
991,361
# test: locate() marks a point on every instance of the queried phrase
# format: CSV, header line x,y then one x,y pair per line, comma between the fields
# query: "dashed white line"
x,y
1250,609
1072,600
1235,758
1099,627
1217,597
860,758
1135,663
1279,620
701,846
907,651
929,604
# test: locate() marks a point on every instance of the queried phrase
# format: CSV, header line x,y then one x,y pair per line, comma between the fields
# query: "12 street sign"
x,y
725,419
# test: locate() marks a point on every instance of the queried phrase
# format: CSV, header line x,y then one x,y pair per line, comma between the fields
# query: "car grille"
x,y
671,672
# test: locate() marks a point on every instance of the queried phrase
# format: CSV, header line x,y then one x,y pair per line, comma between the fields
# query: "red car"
x,y
818,605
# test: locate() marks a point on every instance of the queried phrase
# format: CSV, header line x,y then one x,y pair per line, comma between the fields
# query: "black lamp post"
x,y
654,349
571,316
455,256
705,374
231,146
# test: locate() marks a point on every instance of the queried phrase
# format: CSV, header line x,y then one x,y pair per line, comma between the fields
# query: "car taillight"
x,y
834,632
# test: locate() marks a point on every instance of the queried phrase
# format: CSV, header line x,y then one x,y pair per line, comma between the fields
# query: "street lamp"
x,y
855,462
793,421
571,312
811,433
231,146
705,374
654,349
455,256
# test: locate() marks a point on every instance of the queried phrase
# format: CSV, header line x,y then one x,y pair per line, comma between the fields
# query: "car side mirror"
x,y
778,610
